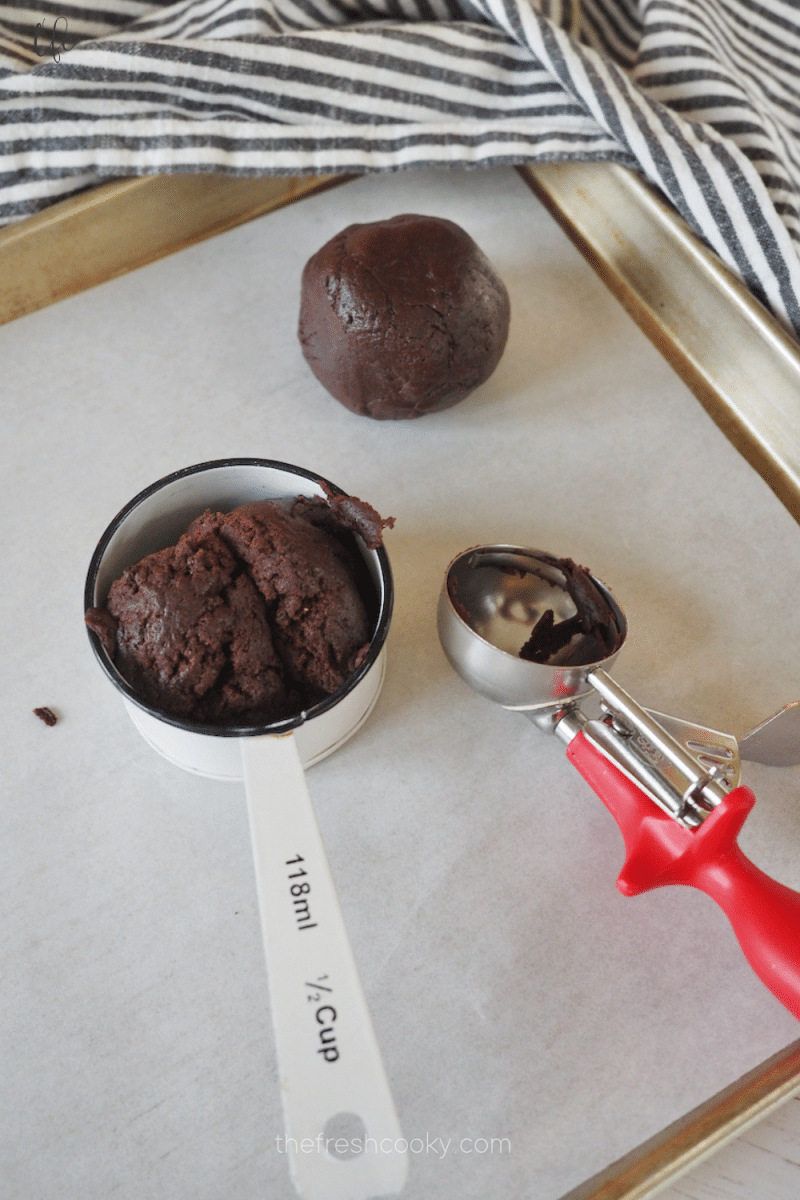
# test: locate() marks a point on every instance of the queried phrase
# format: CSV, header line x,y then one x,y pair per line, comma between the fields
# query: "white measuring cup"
x,y
343,1137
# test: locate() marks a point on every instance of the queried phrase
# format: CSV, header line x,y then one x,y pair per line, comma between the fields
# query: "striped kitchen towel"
x,y
701,96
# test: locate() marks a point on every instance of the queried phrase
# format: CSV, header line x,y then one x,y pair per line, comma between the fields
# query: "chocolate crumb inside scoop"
x,y
594,621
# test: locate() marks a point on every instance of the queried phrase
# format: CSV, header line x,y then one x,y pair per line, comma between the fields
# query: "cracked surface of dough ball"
x,y
402,317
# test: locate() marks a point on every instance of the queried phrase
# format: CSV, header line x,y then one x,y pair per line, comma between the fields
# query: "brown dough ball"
x,y
402,317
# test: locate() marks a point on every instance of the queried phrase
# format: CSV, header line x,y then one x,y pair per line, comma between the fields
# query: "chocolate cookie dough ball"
x,y
402,317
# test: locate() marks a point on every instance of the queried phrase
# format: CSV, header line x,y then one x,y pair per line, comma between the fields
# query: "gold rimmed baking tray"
x,y
697,1135
739,362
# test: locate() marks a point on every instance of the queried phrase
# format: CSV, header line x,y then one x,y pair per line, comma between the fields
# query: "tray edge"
x,y
117,227
739,362
697,1135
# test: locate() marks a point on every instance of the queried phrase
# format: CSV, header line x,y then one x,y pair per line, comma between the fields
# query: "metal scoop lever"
x,y
679,813
776,741
712,748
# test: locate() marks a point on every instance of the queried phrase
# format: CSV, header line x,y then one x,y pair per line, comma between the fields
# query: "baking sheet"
x,y
515,994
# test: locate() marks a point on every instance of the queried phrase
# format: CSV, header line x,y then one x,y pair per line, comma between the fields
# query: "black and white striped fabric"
x,y
702,96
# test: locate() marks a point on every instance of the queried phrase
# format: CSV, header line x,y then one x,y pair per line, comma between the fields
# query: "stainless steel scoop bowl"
x,y
490,601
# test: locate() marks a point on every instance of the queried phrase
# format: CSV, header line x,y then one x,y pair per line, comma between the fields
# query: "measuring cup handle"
x,y
764,914
333,1083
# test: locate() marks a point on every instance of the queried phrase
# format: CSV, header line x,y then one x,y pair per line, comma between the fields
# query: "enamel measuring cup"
x,y
334,1087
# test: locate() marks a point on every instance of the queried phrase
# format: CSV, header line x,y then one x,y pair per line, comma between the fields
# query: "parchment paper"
x,y
535,1024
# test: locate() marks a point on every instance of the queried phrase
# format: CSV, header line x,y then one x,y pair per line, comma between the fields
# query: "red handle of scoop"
x,y
764,914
